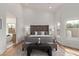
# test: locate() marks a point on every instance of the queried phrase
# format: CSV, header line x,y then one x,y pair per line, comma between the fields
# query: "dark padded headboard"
x,y
39,28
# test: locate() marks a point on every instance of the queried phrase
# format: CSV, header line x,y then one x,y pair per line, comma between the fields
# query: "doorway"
x,y
10,30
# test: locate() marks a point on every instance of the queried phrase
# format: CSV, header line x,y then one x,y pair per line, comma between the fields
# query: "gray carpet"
x,y
59,52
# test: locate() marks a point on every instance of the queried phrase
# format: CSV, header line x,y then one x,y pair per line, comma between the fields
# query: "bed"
x,y
39,32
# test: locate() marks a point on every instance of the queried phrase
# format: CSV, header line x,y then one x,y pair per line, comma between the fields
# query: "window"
x,y
73,27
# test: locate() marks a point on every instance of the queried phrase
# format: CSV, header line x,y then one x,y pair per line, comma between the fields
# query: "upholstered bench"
x,y
42,47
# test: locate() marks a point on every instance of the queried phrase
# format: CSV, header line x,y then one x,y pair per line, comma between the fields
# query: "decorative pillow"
x,y
42,33
36,32
46,33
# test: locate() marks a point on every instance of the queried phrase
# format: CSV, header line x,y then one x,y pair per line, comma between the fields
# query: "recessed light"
x,y
50,7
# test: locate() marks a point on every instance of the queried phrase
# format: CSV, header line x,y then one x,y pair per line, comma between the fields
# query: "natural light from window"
x,y
72,26
73,22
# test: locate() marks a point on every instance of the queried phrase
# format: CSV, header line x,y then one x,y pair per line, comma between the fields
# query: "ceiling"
x,y
43,6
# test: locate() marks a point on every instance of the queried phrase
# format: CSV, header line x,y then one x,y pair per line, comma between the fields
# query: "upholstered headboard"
x,y
39,28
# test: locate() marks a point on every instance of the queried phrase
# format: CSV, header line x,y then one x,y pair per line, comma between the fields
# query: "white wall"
x,y
19,24
34,16
3,30
65,13
11,20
